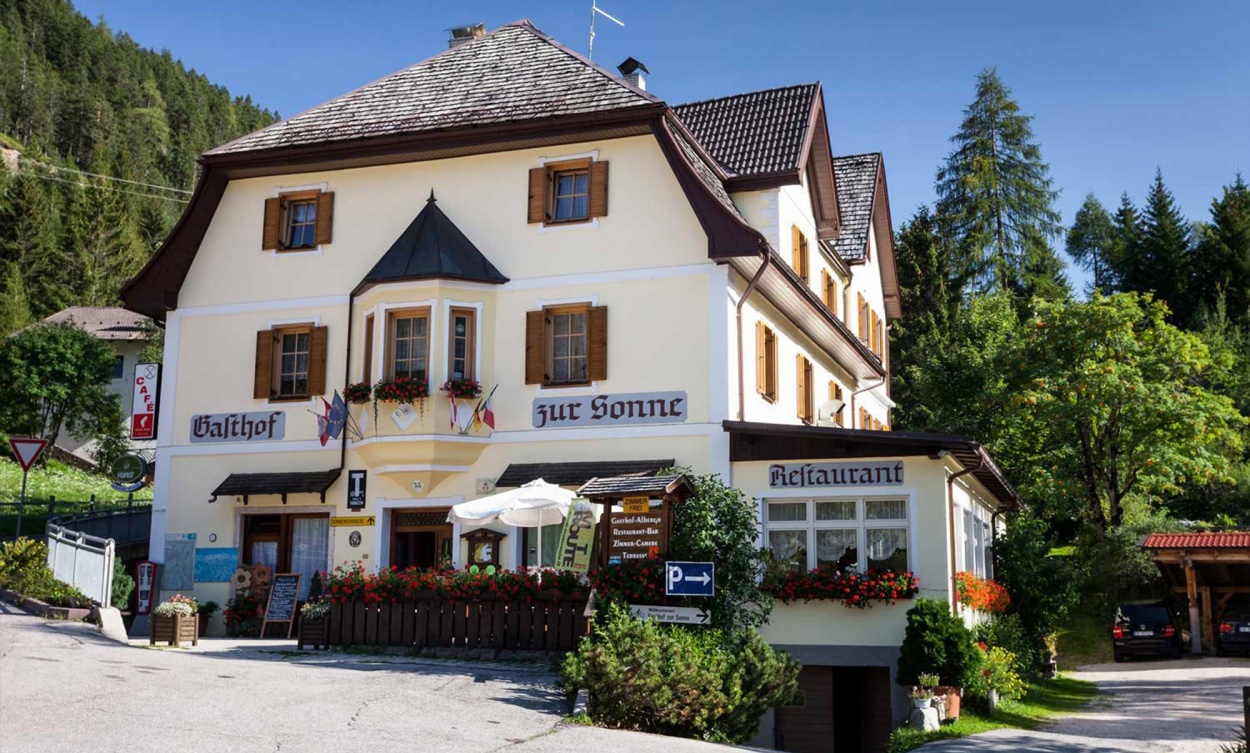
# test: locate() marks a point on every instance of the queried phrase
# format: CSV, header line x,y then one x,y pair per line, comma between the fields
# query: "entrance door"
x,y
846,710
421,538
288,543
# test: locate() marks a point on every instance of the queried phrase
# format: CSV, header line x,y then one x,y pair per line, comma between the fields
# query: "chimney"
x,y
462,34
632,70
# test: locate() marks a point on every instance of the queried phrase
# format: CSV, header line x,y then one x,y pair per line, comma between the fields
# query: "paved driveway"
x,y
63,687
1159,706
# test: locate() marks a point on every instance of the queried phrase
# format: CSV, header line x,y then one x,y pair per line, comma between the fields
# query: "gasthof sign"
x,y
637,536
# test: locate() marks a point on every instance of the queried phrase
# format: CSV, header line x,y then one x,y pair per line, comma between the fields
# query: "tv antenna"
x,y
596,10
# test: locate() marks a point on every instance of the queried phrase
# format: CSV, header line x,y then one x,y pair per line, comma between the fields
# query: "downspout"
x,y
347,376
950,502
741,302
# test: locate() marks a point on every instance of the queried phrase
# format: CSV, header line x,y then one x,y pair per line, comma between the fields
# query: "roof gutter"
x,y
741,302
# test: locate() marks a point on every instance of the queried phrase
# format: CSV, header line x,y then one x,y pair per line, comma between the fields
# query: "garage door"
x,y
845,710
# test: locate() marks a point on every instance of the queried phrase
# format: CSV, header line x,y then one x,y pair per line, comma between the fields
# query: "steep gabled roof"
x,y
432,247
514,73
857,183
756,133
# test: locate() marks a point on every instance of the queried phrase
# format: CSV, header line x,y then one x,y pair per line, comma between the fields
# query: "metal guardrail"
x,y
17,517
83,561
125,525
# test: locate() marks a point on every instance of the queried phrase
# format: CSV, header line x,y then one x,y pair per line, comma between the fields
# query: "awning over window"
x,y
576,474
296,482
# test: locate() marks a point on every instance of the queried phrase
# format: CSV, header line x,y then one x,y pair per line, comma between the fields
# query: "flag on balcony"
x,y
482,414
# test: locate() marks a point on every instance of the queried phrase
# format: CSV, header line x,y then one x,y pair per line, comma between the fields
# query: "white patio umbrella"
x,y
533,505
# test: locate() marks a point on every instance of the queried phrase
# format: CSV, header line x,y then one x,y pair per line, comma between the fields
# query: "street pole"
x,y
21,505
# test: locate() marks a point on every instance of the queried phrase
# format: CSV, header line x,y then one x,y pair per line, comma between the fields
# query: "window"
x,y
408,349
766,362
290,362
566,345
835,393
804,398
800,255
829,291
461,338
119,367
861,534
292,543
298,220
293,348
568,192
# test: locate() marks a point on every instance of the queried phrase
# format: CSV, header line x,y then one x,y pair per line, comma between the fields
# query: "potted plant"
x,y
175,620
314,623
207,610
919,697
358,393
462,389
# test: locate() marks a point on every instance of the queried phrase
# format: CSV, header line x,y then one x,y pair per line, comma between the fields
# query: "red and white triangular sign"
x,y
26,450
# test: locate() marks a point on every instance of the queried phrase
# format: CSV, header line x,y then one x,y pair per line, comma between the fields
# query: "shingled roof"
x,y
756,133
433,247
857,183
513,73
105,322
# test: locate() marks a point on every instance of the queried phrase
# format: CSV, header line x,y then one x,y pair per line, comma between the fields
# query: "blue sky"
x,y
1117,88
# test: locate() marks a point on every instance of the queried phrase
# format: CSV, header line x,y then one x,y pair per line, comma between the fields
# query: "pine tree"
x,y
1222,263
1163,252
1125,239
996,191
1090,242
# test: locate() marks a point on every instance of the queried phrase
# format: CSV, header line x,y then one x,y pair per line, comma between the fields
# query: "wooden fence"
x,y
551,621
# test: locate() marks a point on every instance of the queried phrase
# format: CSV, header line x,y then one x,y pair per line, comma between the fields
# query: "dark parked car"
x,y
1233,634
1145,630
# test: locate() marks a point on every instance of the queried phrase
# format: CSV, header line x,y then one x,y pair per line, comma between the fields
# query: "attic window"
x,y
571,198
298,221
568,192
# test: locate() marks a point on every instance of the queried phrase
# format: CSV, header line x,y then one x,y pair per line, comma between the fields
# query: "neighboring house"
x,y
640,285
127,334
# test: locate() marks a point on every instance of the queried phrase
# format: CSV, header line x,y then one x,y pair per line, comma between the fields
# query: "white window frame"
x,y
860,524
476,306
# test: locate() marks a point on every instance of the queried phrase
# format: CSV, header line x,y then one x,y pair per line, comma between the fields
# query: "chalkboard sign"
x,y
283,594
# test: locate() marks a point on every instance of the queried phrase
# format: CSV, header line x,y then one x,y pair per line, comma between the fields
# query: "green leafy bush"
x,y
1005,631
937,641
1117,569
1000,670
701,683
1042,586
24,569
123,585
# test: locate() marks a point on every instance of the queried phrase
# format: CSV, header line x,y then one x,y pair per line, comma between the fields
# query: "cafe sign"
x,y
834,475
262,426
610,410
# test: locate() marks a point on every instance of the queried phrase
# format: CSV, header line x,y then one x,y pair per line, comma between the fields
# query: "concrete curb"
x,y
46,611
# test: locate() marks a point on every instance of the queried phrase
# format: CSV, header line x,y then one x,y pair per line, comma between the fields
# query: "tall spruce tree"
x,y
1222,263
1091,243
997,193
1125,238
1163,253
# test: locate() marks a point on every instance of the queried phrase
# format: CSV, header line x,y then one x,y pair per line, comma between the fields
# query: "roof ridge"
x,y
526,24
860,154
746,93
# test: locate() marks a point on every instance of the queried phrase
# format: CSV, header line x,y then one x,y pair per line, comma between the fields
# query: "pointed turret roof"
x,y
432,247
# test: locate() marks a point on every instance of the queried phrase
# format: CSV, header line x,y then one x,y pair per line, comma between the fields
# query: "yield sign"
x,y
26,450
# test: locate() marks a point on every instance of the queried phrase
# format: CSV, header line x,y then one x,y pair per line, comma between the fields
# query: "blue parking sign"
x,y
689,578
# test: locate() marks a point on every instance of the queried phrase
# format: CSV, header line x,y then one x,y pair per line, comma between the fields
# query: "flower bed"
x,y
852,589
635,582
351,582
981,594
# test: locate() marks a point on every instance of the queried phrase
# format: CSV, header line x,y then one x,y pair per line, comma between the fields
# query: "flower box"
x,y
315,632
174,630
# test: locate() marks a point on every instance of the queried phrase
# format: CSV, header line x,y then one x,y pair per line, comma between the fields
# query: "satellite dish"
x,y
826,412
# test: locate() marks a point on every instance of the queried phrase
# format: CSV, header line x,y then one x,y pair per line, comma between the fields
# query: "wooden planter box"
x,y
174,630
314,632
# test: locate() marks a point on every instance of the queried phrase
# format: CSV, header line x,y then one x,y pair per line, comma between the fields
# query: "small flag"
x,y
323,423
484,414
336,416
453,409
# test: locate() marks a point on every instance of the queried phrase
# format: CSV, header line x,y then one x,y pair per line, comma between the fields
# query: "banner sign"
x,y
610,410
263,426
825,475
576,538
143,408
637,536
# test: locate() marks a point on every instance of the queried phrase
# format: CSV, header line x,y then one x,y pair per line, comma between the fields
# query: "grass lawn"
x,y
1044,701
1086,639
71,487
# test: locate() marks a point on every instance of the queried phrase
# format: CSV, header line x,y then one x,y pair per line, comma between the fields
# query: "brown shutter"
x,y
598,189
273,224
796,262
317,361
761,359
597,344
863,323
535,345
262,386
801,386
325,217
538,195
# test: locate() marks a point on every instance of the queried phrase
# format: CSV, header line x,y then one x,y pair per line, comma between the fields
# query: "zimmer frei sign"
x,y
143,407
262,426
833,475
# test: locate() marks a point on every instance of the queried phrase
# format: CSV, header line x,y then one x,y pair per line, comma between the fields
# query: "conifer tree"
x,y
1126,236
1222,264
997,193
1163,252
1091,240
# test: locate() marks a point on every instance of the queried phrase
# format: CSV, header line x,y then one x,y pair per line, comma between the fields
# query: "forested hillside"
x,y
98,139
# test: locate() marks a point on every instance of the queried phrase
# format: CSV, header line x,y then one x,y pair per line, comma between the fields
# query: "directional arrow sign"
x,y
677,615
689,578
26,450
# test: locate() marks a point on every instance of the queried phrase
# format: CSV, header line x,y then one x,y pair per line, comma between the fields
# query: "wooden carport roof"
x,y
1210,567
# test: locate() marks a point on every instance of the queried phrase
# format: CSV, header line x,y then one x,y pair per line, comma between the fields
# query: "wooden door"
x,y
809,728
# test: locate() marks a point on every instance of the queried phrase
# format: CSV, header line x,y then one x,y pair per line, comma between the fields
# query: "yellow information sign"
x,y
351,521
636,504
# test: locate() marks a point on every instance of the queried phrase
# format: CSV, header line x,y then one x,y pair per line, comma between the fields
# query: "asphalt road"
x,y
1185,706
65,688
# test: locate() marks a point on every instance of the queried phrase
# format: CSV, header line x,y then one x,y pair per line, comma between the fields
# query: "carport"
x,y
1208,568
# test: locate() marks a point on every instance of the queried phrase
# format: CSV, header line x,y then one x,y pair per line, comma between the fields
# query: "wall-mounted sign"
x,y
610,410
576,538
636,504
143,409
356,490
637,536
807,475
127,473
352,521
262,426
353,539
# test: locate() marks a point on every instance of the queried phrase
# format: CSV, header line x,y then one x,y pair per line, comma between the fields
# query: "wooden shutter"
x,y
270,236
262,386
801,385
597,343
761,358
325,217
598,189
538,195
535,346
798,251
863,321
317,361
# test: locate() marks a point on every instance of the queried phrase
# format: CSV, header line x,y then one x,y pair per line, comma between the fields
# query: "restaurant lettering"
x,y
610,410
636,536
805,475
263,426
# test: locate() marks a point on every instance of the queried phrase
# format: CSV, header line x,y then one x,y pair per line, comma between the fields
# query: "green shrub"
x,y
700,683
24,569
1117,569
123,585
1005,631
937,641
1000,670
1042,586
